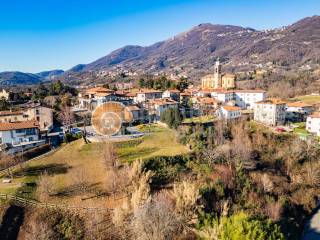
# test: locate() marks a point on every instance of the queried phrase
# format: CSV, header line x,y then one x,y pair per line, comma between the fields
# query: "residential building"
x,y
298,111
174,94
31,111
313,123
11,116
270,112
223,95
228,112
246,99
137,114
156,107
185,98
43,115
4,94
19,136
144,95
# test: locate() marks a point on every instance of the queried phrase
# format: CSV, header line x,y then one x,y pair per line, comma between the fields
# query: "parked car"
x,y
76,131
280,129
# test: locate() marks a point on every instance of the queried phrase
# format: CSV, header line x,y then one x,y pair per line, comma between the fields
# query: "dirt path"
x,y
12,220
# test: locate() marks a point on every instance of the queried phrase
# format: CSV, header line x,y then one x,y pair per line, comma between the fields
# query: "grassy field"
x,y
78,160
62,167
158,141
308,99
201,119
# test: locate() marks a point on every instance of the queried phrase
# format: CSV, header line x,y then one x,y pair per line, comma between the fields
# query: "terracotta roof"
x,y
315,115
231,108
103,94
185,94
10,113
149,91
298,104
131,94
207,100
163,101
18,125
99,90
272,101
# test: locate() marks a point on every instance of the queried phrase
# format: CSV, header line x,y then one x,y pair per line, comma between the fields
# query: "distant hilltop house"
x,y
217,80
4,94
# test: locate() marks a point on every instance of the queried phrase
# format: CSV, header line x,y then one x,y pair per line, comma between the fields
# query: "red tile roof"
x,y
231,108
10,113
18,125
298,104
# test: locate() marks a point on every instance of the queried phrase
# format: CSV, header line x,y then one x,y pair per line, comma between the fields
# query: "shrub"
x,y
239,226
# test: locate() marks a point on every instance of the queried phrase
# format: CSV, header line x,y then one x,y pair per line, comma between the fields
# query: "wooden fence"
x,y
30,202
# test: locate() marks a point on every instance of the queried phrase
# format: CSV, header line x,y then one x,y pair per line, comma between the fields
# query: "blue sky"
x,y
38,35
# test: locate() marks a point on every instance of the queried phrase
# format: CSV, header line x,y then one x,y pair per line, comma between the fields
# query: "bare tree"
x,y
109,156
66,116
79,179
155,220
45,186
7,162
186,195
274,210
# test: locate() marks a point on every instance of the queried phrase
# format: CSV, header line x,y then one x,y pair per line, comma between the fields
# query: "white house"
x,y
313,123
246,99
270,112
147,94
33,111
174,94
43,115
299,107
228,112
223,95
19,136
4,94
298,111
158,106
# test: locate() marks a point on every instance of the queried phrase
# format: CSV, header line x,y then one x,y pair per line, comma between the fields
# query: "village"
x,y
31,125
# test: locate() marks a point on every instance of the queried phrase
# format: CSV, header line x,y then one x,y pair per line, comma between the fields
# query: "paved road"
x,y
312,230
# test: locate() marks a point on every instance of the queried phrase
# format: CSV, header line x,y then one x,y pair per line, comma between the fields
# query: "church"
x,y
217,80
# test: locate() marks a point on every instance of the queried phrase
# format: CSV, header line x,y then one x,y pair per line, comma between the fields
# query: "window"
x,y
37,111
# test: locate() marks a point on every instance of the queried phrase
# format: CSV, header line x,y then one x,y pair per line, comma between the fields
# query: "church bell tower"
x,y
217,74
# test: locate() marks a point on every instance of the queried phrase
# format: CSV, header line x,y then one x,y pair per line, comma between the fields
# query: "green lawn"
x,y
201,119
308,99
62,165
158,141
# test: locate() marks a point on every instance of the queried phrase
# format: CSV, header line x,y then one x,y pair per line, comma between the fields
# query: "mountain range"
x,y
193,52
